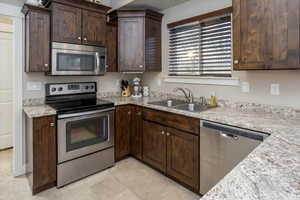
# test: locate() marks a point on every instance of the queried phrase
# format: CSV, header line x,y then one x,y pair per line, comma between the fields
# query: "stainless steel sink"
x,y
197,107
180,105
174,102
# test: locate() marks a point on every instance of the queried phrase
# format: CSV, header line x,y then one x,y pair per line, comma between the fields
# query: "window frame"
x,y
226,12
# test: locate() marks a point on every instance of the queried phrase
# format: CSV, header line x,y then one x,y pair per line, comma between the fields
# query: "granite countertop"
x,y
34,111
270,172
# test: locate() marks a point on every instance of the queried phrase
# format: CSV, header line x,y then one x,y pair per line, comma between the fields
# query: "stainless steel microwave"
x,y
72,59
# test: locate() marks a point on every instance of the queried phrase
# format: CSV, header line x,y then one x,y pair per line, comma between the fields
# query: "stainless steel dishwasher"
x,y
222,147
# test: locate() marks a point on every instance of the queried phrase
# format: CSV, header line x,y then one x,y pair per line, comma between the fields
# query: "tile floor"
x,y
128,180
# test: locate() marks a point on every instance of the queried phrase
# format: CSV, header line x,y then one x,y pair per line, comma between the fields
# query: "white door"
x,y
6,87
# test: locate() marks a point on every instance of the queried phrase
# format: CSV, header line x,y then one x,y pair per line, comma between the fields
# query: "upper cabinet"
x,y
266,35
78,22
139,40
37,38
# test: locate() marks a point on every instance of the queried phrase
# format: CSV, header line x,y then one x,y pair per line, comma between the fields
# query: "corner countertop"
x,y
271,171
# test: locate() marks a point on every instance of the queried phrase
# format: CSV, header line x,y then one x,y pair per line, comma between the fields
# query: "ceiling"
x,y
158,5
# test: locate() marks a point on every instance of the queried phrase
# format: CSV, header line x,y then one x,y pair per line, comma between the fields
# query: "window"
x,y
202,48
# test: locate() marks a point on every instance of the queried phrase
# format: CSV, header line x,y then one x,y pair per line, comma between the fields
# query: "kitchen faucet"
x,y
187,94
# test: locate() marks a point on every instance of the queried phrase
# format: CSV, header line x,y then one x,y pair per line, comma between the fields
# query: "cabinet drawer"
x,y
188,124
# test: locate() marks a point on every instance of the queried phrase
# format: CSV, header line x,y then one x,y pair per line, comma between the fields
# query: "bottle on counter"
x,y
213,100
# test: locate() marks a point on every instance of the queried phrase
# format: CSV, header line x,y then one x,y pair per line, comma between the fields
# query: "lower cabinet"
x,y
154,145
123,131
136,132
183,157
147,135
129,128
41,152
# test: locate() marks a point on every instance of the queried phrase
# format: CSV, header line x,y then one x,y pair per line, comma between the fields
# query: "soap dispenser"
x,y
213,100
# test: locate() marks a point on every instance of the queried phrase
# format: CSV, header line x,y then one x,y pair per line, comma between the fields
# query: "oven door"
x,y
81,134
69,59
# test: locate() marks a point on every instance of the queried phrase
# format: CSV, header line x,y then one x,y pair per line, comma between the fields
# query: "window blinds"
x,y
201,48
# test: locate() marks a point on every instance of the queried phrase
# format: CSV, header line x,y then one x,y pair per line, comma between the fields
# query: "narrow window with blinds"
x,y
202,48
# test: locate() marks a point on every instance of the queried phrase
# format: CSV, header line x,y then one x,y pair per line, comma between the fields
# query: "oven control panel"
x,y
59,89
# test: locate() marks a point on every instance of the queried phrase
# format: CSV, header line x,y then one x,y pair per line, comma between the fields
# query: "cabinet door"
x,y
44,152
93,28
153,45
266,34
123,131
183,157
66,24
136,133
154,145
111,44
131,45
37,42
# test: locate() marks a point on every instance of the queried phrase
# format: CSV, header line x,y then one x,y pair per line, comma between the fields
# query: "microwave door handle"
x,y
97,62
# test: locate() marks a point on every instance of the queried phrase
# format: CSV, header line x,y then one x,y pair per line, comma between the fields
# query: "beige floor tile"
x,y
128,180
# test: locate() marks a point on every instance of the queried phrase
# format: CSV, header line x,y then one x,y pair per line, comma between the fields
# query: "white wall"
x,y
259,80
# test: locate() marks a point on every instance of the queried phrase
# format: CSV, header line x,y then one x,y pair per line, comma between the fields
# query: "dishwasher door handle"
x,y
229,136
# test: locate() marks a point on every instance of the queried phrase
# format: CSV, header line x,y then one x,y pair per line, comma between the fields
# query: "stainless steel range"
x,y
85,130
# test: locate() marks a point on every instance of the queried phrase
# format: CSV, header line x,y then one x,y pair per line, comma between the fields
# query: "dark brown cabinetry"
x,y
165,141
172,150
266,35
139,40
111,44
78,22
66,24
183,157
129,128
154,145
136,132
123,131
37,39
41,152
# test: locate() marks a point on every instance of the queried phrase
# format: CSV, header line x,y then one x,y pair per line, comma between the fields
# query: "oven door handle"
x,y
84,113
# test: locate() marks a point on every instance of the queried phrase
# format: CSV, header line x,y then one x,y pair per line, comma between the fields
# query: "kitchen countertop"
x,y
33,111
270,172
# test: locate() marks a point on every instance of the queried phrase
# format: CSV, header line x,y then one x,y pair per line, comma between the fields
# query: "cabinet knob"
x,y
141,66
168,134
139,113
106,66
79,38
236,62
46,65
129,113
163,133
85,39
52,124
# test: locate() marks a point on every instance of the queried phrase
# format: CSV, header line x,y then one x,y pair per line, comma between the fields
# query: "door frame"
x,y
14,12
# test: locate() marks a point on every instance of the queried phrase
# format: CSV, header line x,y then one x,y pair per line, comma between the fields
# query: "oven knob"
x,y
53,89
86,87
92,87
60,89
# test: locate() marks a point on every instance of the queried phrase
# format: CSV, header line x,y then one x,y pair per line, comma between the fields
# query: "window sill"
x,y
203,80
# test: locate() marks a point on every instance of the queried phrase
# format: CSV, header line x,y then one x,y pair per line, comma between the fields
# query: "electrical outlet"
x,y
245,87
275,89
118,84
34,86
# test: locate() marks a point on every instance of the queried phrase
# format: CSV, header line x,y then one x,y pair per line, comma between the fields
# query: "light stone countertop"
x,y
270,172
38,111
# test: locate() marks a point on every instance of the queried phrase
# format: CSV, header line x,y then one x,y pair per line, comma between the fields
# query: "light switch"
x,y
275,89
245,87
34,86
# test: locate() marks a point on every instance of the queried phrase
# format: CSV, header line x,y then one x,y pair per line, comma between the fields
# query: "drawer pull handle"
x,y
168,134
163,133
52,124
